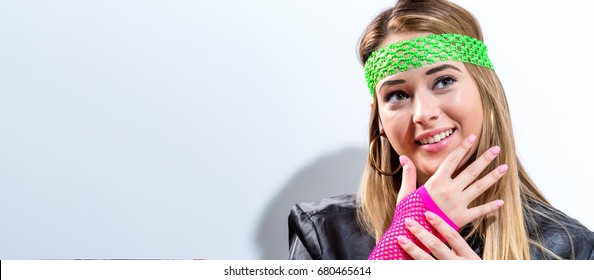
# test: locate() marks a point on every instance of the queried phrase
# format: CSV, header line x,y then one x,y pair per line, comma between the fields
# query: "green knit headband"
x,y
417,52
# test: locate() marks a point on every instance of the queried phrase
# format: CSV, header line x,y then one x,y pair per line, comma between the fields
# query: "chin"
x,y
428,169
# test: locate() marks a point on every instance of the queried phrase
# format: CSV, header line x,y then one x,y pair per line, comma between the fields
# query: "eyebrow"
x,y
392,82
441,68
431,71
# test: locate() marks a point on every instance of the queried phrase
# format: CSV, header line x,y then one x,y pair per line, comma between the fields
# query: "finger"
x,y
436,246
459,246
470,174
409,178
412,249
480,186
450,164
482,210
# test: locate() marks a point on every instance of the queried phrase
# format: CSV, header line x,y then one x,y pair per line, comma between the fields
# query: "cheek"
x,y
397,129
467,109
475,115
477,122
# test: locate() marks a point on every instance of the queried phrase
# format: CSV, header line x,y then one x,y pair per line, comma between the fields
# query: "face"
x,y
427,112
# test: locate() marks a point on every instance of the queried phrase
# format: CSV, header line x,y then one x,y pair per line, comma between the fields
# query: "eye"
x,y
443,82
395,97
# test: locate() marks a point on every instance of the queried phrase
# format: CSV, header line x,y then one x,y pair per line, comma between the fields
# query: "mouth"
x,y
438,137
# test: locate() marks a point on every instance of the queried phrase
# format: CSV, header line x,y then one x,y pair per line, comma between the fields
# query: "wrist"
x,y
433,207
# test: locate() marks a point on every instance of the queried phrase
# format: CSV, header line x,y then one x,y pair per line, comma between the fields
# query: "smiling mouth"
x,y
436,138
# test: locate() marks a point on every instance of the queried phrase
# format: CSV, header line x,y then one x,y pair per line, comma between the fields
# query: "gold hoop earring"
x,y
372,158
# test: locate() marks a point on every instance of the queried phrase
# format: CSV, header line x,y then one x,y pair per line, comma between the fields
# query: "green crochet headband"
x,y
404,55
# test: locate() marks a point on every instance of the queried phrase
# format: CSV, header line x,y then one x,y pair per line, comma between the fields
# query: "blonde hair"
x,y
504,232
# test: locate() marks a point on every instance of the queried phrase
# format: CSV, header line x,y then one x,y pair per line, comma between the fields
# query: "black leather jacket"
x,y
329,229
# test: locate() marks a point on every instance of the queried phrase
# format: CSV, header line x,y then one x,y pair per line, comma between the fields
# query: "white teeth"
x,y
437,137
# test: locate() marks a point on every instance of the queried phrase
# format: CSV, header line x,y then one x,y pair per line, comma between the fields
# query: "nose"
x,y
426,108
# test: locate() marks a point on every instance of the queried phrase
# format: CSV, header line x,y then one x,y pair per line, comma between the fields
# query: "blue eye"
x,y
395,97
443,82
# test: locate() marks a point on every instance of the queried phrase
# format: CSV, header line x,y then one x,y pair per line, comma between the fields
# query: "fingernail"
x,y
503,168
471,139
409,222
402,240
495,150
430,216
402,160
499,203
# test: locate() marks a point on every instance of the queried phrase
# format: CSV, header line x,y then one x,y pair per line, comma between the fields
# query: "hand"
x,y
409,178
454,195
460,250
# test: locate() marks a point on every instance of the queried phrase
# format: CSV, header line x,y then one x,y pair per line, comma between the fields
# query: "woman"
x,y
440,140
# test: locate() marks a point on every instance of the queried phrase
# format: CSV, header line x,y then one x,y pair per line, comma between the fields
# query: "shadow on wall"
x,y
330,175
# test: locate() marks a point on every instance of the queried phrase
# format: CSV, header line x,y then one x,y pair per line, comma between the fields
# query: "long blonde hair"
x,y
504,232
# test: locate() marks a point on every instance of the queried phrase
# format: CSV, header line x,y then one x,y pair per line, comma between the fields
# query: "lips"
x,y
436,138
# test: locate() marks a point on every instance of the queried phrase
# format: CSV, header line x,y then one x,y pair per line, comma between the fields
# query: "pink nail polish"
x,y
430,216
495,150
471,139
408,222
499,203
503,168
402,161
402,240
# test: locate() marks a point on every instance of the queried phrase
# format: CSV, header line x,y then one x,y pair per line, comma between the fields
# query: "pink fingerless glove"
x,y
412,206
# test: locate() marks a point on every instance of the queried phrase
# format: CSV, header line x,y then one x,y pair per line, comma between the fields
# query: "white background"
x,y
187,129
